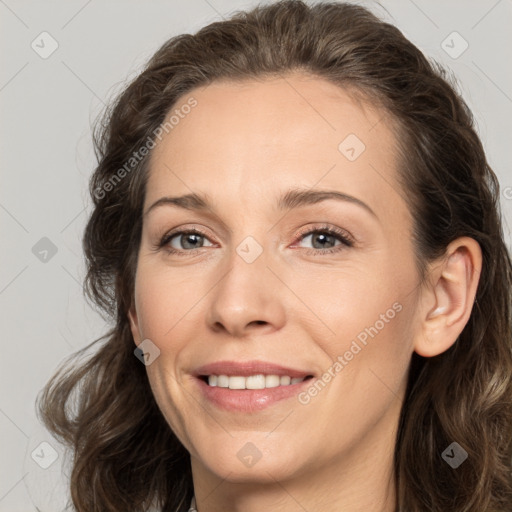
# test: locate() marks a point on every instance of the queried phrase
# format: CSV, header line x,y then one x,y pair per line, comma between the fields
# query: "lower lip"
x,y
249,400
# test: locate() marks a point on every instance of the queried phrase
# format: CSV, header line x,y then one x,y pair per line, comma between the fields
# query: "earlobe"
x,y
449,300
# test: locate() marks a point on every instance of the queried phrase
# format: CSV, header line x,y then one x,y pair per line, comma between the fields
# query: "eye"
x,y
326,239
184,241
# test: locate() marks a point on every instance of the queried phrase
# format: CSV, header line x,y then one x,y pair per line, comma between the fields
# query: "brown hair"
x,y
125,454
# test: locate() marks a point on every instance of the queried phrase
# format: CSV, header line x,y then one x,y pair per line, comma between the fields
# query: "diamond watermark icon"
x,y
249,454
44,455
455,455
351,147
147,352
44,45
249,249
44,249
454,45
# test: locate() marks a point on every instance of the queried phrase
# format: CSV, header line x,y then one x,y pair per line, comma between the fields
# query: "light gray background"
x,y
47,106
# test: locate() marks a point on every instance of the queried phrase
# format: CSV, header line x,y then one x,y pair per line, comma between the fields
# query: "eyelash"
x,y
342,236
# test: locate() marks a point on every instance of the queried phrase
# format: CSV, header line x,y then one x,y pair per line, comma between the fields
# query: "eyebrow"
x,y
293,198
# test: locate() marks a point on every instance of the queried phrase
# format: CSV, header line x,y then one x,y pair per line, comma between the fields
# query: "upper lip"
x,y
247,368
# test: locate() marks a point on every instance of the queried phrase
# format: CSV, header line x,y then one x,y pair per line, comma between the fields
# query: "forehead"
x,y
249,140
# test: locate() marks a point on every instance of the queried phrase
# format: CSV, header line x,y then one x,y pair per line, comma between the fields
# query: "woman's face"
x,y
261,288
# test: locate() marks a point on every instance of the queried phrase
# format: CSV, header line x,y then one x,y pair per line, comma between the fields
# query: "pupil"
x,y
188,238
323,235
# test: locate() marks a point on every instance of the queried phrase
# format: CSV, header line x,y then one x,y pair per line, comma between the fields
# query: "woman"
x,y
297,235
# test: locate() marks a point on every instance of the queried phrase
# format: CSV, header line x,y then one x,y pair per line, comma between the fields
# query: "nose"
x,y
248,299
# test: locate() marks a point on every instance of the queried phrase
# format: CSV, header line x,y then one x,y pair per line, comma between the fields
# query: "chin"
x,y
244,462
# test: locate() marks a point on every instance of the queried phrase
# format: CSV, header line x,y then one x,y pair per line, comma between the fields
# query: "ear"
x,y
134,324
447,300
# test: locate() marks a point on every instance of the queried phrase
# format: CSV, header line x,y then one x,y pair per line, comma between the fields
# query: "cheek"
x,y
349,301
165,305
367,311
164,299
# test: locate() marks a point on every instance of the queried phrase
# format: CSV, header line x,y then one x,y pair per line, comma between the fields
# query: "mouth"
x,y
249,386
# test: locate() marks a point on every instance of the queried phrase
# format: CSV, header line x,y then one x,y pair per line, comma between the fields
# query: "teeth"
x,y
236,382
252,382
255,382
285,380
222,381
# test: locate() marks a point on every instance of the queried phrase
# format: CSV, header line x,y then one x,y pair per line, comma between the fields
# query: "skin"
x,y
243,145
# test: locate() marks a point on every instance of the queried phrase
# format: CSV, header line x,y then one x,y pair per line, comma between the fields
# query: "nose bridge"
x,y
247,295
